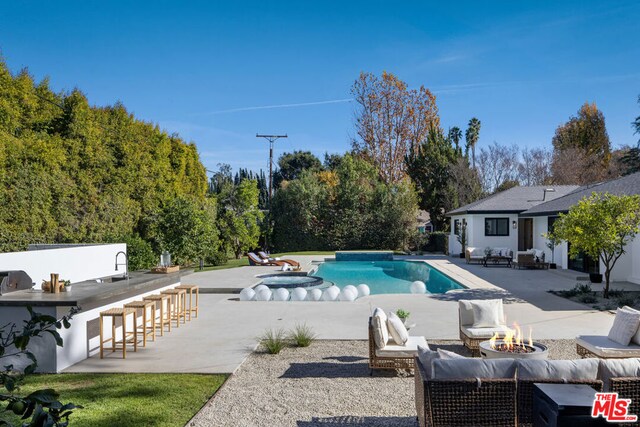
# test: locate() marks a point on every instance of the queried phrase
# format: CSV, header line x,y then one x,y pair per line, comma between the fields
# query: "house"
x,y
495,220
424,223
543,215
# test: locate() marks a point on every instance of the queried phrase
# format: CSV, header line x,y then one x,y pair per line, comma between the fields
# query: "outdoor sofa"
x,y
499,392
384,350
473,330
474,255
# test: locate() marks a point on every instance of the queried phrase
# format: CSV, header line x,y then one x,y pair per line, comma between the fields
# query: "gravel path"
x,y
323,385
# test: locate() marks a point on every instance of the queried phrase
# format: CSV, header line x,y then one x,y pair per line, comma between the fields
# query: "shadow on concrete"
x,y
327,370
345,359
506,296
355,421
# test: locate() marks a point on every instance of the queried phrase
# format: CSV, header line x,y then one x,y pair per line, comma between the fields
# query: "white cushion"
x,y
426,356
380,331
397,330
486,313
410,348
618,368
448,355
635,339
625,326
484,332
465,310
470,367
604,347
581,369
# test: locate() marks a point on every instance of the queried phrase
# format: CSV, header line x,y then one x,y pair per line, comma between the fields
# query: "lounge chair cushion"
x,y
484,332
426,356
465,308
567,370
625,326
380,331
486,313
409,349
617,368
604,347
397,330
470,367
636,337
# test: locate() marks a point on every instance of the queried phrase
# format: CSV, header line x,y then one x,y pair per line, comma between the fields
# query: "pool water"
x,y
386,277
291,281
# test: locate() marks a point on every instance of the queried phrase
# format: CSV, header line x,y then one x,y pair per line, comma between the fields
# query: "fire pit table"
x,y
500,349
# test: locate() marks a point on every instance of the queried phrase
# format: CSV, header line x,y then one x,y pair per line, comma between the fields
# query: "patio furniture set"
x,y
533,258
157,313
455,390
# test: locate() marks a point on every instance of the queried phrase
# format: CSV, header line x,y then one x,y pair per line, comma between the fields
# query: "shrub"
x,y
438,241
140,253
615,293
623,300
583,288
273,340
587,298
302,335
402,314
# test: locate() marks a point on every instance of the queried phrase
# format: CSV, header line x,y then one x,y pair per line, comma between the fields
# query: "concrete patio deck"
x,y
227,330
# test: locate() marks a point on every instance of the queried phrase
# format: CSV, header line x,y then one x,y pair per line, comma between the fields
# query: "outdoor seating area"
x,y
623,340
479,320
265,260
533,258
156,313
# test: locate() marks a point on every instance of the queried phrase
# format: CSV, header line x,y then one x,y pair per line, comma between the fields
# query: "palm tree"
x,y
472,135
455,135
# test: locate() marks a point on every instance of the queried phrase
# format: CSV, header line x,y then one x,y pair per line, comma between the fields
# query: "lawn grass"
x,y
132,400
232,263
285,254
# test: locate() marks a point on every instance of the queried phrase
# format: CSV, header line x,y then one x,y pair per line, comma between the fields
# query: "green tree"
x,y
455,136
291,165
472,135
239,217
600,226
430,170
631,158
187,229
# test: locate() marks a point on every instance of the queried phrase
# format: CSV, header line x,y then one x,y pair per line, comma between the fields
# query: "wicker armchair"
x,y
403,360
628,388
489,402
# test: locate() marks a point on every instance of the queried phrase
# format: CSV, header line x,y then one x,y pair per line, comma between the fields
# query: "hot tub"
x,y
292,280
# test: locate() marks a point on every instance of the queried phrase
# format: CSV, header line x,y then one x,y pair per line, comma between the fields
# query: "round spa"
x,y
291,280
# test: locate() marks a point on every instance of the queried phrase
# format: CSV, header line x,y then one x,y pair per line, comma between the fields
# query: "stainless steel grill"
x,y
14,280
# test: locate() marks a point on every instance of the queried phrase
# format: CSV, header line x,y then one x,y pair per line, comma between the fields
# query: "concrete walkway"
x,y
228,330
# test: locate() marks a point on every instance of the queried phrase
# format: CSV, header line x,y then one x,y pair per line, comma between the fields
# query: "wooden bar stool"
x,y
191,289
122,313
148,326
164,317
178,300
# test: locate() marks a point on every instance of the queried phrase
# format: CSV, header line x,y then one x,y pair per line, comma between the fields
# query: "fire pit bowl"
x,y
535,351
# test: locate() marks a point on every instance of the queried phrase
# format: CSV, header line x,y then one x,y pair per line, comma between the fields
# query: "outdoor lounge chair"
x,y
256,260
610,347
391,355
263,255
470,333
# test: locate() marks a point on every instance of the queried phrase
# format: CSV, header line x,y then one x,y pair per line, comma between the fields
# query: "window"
x,y
550,223
496,226
456,227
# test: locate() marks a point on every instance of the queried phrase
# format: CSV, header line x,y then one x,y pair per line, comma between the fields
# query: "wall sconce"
x,y
514,224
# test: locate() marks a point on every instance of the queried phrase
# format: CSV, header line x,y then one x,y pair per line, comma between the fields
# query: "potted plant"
x,y
403,315
462,238
595,277
552,242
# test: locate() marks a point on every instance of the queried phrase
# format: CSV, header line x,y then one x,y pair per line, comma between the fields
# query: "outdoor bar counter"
x,y
81,340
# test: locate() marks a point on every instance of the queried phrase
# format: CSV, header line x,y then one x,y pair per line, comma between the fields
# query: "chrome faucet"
x,y
126,264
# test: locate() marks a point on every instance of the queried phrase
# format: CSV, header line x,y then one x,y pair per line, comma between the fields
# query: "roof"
x,y
514,200
627,185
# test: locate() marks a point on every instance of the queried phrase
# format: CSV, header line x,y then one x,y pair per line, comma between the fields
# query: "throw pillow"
x,y
426,356
448,355
636,337
625,326
397,329
380,331
486,313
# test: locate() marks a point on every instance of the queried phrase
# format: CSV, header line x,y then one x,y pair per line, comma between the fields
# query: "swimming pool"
x,y
385,277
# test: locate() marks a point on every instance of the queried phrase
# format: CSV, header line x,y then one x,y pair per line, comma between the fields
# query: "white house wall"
x,y
476,237
75,263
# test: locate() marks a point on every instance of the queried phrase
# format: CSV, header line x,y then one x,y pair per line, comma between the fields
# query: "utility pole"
x,y
272,139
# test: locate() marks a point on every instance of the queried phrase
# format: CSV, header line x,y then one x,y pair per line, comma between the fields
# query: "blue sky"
x,y
201,68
